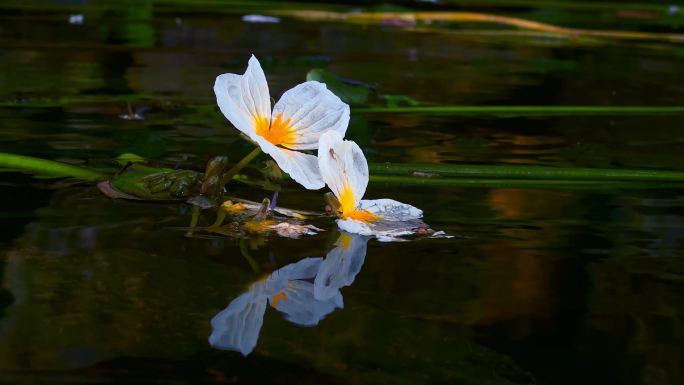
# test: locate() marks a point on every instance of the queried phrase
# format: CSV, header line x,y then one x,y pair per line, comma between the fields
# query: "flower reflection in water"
x,y
290,291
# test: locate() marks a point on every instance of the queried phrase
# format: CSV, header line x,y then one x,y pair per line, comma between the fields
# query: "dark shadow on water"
x,y
204,367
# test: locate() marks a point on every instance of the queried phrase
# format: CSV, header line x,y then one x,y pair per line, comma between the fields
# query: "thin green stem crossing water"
x,y
435,171
526,110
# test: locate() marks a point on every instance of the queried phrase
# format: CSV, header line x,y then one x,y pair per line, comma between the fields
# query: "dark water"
x,y
545,286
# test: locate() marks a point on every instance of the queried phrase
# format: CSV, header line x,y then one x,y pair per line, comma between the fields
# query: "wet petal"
x,y
341,265
237,326
311,110
294,230
244,99
343,168
396,220
354,227
301,307
390,210
303,168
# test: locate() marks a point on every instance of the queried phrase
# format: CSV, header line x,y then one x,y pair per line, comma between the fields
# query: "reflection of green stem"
x,y
48,167
228,175
245,253
524,172
193,221
220,216
529,110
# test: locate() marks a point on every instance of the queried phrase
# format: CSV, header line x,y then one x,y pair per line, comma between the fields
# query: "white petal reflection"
x,y
300,306
237,326
290,291
341,265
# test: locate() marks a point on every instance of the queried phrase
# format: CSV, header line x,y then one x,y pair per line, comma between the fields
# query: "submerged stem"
x,y
220,217
228,175
193,222
250,260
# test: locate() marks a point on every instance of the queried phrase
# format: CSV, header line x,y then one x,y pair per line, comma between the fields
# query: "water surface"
x,y
546,286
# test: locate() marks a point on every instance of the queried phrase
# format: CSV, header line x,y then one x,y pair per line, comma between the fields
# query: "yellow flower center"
x,y
233,207
278,131
349,210
277,298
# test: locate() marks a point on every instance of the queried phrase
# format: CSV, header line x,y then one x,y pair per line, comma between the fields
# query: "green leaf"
x,y
48,168
353,94
158,184
127,157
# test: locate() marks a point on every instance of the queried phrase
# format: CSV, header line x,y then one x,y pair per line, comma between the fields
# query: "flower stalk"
x,y
228,175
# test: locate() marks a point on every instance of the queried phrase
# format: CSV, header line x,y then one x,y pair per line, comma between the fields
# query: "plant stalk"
x,y
228,175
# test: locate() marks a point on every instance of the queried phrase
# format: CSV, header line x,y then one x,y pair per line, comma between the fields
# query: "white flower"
x,y
345,170
296,122
288,290
340,266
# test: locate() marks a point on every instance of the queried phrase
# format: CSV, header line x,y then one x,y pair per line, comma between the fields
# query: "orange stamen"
x,y
278,297
349,210
279,132
361,215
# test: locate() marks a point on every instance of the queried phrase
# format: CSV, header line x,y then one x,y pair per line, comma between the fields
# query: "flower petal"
x,y
237,326
391,210
311,110
303,168
342,166
355,227
300,307
303,269
396,220
244,99
341,265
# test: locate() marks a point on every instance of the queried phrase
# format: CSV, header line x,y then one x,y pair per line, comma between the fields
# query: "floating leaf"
x,y
128,157
158,184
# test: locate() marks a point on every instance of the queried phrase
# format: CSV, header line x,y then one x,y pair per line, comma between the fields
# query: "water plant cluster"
x,y
308,117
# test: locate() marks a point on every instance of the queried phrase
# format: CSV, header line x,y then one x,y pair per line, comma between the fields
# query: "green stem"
x,y
527,110
220,217
250,260
228,175
436,171
48,167
522,183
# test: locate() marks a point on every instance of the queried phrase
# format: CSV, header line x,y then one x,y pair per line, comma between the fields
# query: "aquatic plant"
x,y
345,170
290,291
296,122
